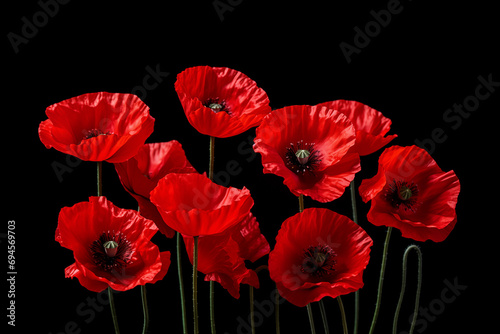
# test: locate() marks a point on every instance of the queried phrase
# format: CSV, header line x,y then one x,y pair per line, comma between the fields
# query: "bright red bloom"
x,y
97,126
309,146
318,253
410,192
193,205
371,126
219,101
221,257
140,174
112,246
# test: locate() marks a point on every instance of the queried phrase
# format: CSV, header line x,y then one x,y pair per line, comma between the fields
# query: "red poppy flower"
x,y
97,126
140,174
318,253
371,126
309,146
193,205
410,192
219,101
221,257
111,246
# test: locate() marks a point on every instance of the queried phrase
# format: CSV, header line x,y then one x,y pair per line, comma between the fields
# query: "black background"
x,y
426,59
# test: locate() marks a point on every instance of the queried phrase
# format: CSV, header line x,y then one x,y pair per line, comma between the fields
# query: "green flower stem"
x,y
212,306
252,320
110,291
342,312
301,203
309,308
403,286
113,310
195,284
212,283
323,316
381,279
99,178
144,309
144,302
181,283
352,189
277,311
311,318
212,155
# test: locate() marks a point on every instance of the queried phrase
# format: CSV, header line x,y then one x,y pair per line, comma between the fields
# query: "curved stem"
x,y
352,189
342,312
311,318
195,284
381,279
113,310
181,283
403,286
144,309
261,267
322,310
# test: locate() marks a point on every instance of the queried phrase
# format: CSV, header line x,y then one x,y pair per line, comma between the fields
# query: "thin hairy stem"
x,y
342,313
322,310
99,178
352,189
311,318
381,280
195,284
301,203
144,309
181,283
113,310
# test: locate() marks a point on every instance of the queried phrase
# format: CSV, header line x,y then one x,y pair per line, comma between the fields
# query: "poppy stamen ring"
x,y
302,157
318,261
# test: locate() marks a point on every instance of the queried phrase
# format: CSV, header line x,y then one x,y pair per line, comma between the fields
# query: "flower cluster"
x,y
316,149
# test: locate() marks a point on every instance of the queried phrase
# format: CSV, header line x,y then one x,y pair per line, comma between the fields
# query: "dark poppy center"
x,y
87,134
302,157
217,105
402,194
318,261
111,252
